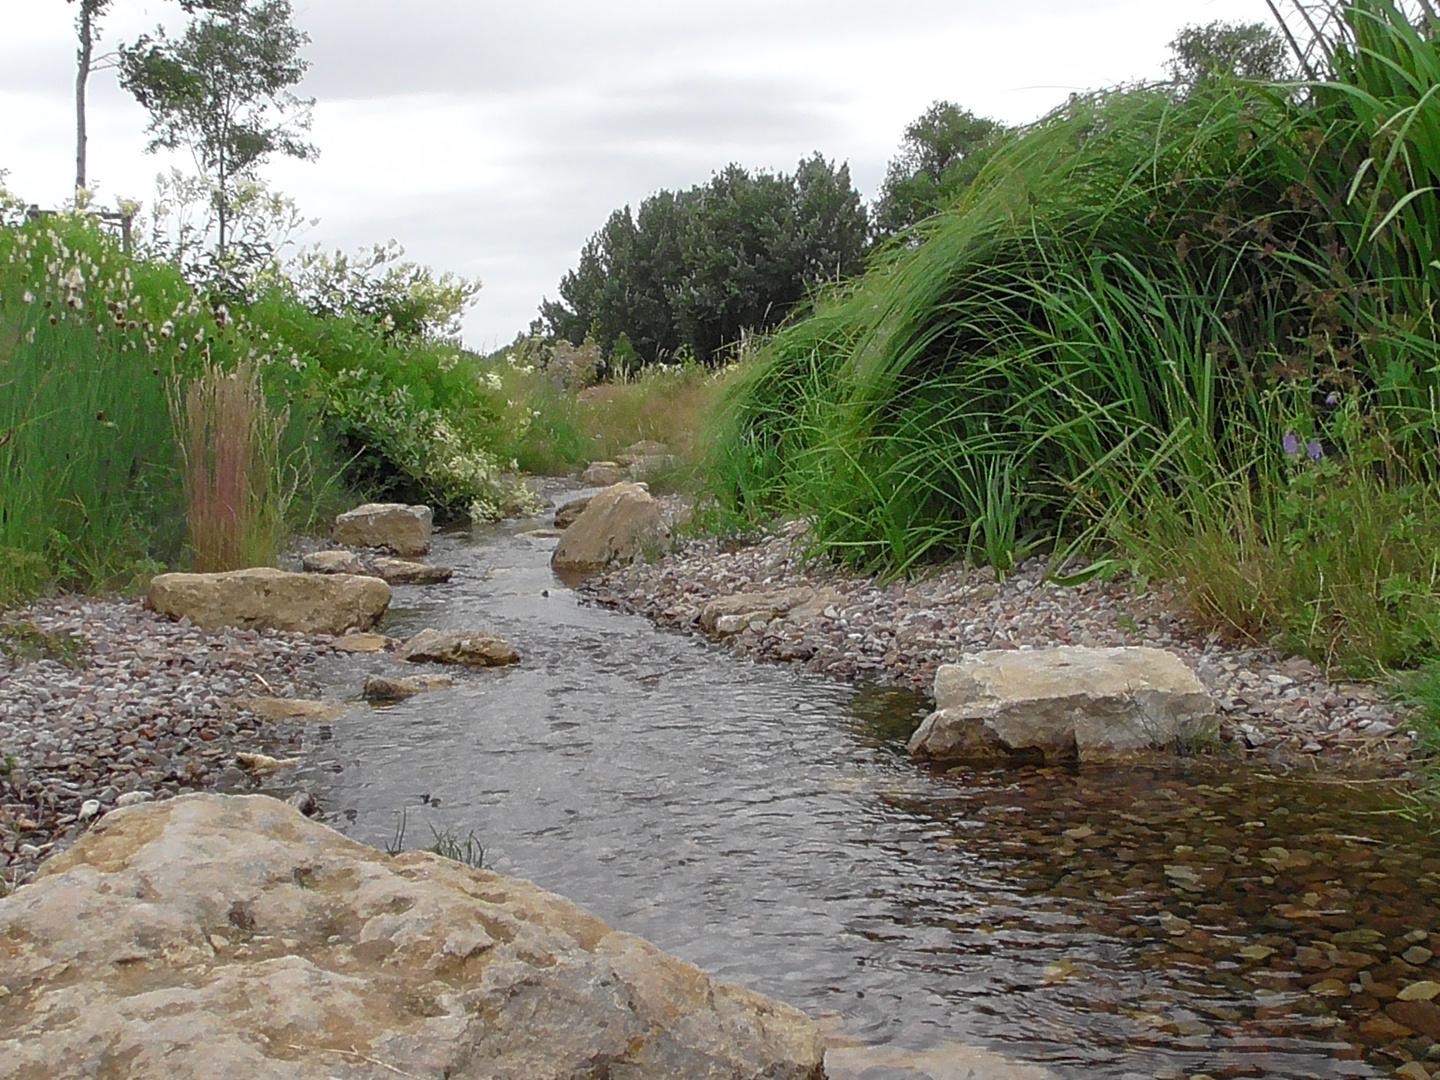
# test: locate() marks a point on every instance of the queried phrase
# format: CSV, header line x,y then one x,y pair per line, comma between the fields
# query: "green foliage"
x,y
1229,50
404,300
697,269
943,152
26,641
555,429
222,90
1116,335
449,844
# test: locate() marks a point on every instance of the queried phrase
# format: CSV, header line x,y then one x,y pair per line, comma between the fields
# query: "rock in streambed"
x,y
457,647
405,530
268,599
617,527
1097,704
228,936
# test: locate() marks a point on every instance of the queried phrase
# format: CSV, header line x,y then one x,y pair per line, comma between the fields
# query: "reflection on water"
x,y
768,826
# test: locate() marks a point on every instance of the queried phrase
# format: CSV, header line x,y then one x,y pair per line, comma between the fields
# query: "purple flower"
x,y
1314,450
1291,443
1333,399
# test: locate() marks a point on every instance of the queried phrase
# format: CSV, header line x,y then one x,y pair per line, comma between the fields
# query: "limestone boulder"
x,y
332,562
382,691
405,530
727,615
570,512
268,599
602,474
457,647
621,524
652,465
1108,705
274,708
405,572
645,448
212,936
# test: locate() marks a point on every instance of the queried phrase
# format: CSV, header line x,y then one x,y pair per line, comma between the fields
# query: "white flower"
x,y
28,297
167,328
73,280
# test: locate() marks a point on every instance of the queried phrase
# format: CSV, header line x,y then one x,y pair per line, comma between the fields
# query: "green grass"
x,y
449,844
1102,348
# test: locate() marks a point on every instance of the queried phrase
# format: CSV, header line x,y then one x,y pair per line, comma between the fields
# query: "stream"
x,y
1211,918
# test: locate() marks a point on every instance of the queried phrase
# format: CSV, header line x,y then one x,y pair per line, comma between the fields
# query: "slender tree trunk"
x,y
82,76
221,205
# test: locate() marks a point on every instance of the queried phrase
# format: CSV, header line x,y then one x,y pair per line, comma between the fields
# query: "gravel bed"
x,y
900,633
103,701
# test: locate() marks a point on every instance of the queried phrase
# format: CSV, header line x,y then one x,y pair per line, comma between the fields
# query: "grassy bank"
x,y
1188,332
122,414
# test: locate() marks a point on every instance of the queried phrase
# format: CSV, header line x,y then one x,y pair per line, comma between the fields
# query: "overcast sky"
x,y
491,139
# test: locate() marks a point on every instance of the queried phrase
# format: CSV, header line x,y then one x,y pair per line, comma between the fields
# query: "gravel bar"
x,y
102,700
899,633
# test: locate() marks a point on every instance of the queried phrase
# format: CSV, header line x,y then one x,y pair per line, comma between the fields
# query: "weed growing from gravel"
x,y
26,641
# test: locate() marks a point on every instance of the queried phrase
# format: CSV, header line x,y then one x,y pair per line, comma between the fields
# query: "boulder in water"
x,y
602,474
269,599
382,691
1098,704
213,936
619,525
458,647
405,572
570,512
405,530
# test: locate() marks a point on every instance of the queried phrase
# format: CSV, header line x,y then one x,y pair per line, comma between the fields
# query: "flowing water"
x,y
767,826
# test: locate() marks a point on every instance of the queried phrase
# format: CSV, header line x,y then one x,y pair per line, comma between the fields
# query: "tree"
x,y
222,89
1229,50
697,269
91,11
941,155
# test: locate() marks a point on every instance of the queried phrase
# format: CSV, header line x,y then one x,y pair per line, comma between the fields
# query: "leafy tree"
x,y
696,269
942,154
1229,50
223,89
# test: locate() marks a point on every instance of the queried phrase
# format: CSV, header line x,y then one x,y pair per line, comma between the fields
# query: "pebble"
x,y
127,707
899,633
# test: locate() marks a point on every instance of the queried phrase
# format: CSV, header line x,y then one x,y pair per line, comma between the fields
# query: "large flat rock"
x,y
269,599
405,530
224,937
1097,704
619,525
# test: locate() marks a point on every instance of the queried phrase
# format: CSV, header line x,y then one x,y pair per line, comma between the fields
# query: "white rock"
x,y
1099,704
134,798
88,809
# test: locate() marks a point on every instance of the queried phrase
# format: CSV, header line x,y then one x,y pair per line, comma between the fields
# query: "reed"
x,y
229,443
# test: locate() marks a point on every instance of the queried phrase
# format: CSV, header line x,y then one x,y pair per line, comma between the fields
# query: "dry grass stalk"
x,y
228,443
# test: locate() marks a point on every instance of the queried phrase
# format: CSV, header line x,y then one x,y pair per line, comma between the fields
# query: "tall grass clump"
x,y
1190,327
229,444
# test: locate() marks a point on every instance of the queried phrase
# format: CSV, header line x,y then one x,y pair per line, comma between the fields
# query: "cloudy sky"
x,y
491,139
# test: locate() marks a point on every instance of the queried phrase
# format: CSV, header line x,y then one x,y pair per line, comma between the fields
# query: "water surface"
x,y
766,825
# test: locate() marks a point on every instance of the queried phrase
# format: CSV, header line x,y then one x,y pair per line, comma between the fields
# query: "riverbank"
x,y
856,628
103,700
